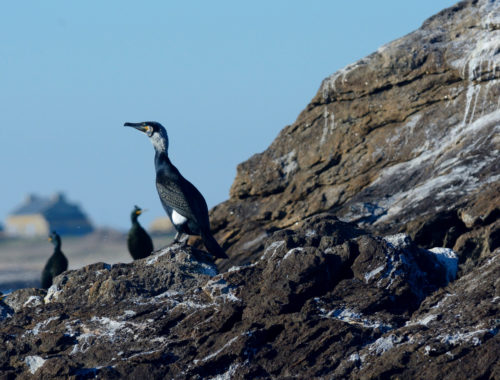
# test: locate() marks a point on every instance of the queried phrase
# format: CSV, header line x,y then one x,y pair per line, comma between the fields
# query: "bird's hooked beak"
x,y
140,127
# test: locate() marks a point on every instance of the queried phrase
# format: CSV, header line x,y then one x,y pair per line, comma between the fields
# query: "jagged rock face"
x,y
102,314
325,300
404,140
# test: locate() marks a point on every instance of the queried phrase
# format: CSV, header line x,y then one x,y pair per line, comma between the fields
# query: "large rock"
x,y
402,149
404,140
453,335
326,299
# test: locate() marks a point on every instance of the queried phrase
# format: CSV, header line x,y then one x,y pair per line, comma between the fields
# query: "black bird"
x,y
56,264
184,204
139,242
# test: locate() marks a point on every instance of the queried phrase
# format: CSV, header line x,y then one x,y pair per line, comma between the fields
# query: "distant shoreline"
x,y
9,287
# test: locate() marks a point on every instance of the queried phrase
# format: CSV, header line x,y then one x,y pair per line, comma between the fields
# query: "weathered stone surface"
x,y
24,297
404,140
318,295
453,335
101,313
401,149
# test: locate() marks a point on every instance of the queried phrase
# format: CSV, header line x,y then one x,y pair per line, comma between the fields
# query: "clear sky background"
x,y
224,77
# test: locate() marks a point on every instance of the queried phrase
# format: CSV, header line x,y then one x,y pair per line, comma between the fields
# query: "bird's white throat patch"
x,y
160,143
177,218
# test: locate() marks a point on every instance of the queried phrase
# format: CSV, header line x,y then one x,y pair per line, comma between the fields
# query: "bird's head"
x,y
54,238
136,212
155,131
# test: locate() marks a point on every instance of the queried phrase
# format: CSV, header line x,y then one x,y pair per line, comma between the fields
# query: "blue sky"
x,y
224,77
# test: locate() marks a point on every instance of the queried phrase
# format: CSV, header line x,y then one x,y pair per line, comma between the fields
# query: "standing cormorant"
x,y
183,203
139,242
56,264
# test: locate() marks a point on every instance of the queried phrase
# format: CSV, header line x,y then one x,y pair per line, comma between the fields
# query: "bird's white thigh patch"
x,y
178,218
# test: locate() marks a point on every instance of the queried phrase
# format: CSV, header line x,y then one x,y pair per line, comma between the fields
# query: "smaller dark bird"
x,y
139,242
56,264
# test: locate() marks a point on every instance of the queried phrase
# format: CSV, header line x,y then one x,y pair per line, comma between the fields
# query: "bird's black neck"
x,y
163,163
57,247
133,218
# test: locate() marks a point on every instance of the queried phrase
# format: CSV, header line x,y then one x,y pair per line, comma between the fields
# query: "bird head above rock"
x,y
54,238
136,212
155,131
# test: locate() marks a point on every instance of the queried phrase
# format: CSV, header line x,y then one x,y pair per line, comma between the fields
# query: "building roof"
x,y
55,207
64,217
33,205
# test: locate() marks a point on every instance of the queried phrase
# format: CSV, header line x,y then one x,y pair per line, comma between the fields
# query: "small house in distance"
x,y
37,216
161,226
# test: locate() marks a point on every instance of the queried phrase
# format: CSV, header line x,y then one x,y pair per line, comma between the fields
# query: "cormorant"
x,y
56,264
184,204
139,242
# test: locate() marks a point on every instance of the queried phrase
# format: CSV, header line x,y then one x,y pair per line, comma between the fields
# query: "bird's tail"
x,y
212,246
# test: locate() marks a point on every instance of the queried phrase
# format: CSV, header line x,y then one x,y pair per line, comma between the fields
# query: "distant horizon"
x,y
224,78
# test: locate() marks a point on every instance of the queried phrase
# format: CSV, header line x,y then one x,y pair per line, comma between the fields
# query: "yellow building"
x,y
37,216
161,226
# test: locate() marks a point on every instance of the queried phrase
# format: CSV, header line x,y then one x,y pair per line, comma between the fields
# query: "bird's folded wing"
x,y
184,198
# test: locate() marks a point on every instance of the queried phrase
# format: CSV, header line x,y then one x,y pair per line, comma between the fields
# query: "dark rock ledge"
x,y
324,300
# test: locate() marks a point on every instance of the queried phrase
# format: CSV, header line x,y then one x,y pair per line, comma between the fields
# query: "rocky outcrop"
x,y
102,314
327,299
401,151
404,140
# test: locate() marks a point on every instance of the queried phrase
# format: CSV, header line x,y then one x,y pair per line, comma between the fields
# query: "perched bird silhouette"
x,y
56,264
184,204
139,242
